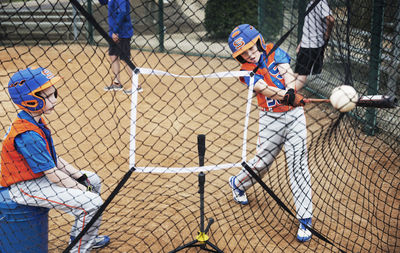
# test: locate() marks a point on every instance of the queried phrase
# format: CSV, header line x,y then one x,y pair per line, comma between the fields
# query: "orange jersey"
x,y
14,167
268,71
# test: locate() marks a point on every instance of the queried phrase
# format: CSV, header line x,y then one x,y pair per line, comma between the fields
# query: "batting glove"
x,y
293,99
84,180
298,100
289,97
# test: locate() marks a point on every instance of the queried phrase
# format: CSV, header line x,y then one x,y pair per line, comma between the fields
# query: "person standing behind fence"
x,y
317,29
121,32
30,167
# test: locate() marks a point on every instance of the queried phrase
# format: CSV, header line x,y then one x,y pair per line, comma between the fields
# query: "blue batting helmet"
x,y
244,37
25,84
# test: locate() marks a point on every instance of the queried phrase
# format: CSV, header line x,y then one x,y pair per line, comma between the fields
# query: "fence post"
x,y
90,26
161,29
392,83
301,10
75,18
374,62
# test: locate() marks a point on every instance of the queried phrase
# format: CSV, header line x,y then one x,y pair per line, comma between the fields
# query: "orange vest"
x,y
262,100
14,167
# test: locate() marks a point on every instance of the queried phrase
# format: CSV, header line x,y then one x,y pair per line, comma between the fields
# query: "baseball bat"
x,y
377,101
201,147
316,100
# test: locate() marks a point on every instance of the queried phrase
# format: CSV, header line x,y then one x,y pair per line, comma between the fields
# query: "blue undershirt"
x,y
280,57
33,147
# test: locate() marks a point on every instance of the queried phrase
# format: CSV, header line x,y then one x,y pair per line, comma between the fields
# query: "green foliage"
x,y
221,16
362,11
271,19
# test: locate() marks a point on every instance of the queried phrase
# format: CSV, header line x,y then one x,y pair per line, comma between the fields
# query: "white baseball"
x,y
344,98
69,60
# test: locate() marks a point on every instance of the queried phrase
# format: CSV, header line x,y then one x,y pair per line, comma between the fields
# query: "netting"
x,y
190,88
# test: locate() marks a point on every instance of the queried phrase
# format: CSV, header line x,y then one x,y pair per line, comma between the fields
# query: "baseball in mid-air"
x,y
344,98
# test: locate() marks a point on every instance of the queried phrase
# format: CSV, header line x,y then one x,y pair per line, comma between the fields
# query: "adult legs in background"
x,y
115,68
309,61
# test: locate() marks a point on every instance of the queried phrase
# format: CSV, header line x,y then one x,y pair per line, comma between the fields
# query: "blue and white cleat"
x,y
99,242
238,195
303,234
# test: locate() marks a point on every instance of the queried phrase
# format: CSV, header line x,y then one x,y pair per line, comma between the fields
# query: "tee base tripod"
x,y
202,238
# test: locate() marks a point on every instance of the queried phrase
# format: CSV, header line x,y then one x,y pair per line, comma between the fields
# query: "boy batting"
x,y
282,122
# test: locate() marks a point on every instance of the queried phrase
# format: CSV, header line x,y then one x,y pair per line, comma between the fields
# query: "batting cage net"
x,y
188,157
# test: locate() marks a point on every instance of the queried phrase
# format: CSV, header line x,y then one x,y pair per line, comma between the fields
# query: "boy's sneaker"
x,y
99,242
238,195
130,91
114,87
303,234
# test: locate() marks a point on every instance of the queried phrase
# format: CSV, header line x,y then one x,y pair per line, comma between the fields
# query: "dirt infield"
x,y
159,212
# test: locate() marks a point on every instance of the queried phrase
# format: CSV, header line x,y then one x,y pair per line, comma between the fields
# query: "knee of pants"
x,y
94,203
97,201
260,165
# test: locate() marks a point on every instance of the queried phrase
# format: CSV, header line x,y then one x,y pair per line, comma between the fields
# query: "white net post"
x,y
246,120
132,143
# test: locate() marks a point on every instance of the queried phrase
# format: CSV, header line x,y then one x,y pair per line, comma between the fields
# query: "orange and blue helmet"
x,y
242,38
25,84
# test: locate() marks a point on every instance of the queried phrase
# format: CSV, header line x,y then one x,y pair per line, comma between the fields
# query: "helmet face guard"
x,y
24,86
242,38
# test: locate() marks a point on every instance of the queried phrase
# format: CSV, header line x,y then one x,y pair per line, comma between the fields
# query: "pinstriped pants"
x,y
83,205
287,130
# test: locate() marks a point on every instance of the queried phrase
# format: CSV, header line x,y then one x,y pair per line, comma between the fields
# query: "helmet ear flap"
x,y
240,59
40,97
259,46
32,102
